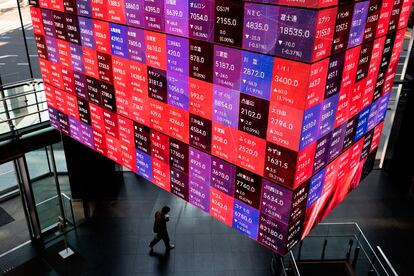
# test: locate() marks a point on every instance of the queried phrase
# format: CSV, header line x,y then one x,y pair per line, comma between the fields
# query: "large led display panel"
x,y
264,114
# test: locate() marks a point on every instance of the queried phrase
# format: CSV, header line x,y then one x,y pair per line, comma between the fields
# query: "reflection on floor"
x,y
385,215
115,241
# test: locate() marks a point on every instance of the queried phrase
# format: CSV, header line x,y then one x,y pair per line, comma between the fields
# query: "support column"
x,y
91,175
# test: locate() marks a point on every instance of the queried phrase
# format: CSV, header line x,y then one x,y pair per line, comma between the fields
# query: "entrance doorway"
x,y
34,195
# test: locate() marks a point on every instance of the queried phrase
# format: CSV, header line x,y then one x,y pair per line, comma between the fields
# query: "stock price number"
x,y
221,175
246,186
250,113
253,73
292,31
257,26
273,199
226,21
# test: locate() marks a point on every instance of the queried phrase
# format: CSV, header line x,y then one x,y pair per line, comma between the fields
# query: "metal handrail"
x,y
394,272
21,94
65,196
333,236
53,197
71,208
21,83
37,105
359,238
365,239
26,106
46,200
294,264
22,116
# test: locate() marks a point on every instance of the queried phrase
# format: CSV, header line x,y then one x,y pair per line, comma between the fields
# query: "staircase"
x,y
338,249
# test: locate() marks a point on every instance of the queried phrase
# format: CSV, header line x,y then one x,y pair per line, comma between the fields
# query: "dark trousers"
x,y
161,236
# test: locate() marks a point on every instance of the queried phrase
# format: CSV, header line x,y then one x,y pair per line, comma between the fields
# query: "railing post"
x,y
71,212
348,254
356,255
325,243
59,193
71,208
276,265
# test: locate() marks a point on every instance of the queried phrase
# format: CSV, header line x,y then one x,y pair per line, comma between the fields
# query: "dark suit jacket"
x,y
160,223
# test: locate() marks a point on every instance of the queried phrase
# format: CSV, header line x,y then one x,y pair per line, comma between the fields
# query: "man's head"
x,y
165,210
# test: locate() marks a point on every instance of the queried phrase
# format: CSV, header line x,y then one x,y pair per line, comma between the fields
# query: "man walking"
x,y
160,229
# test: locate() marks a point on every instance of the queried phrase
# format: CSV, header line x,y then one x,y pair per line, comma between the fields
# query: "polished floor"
x,y
115,241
